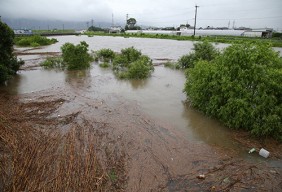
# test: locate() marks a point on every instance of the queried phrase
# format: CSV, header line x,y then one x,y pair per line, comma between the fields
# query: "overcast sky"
x,y
217,13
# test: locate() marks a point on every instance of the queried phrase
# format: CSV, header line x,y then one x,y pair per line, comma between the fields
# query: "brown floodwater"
x,y
160,96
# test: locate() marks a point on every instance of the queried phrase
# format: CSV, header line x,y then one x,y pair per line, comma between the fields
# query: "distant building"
x,y
261,32
245,32
23,32
115,29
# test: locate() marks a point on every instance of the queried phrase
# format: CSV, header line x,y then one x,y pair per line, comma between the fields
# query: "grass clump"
x,y
34,41
131,64
73,57
53,62
241,87
172,65
104,65
105,55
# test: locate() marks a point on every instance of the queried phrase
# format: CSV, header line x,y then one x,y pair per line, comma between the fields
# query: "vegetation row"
x,y
34,41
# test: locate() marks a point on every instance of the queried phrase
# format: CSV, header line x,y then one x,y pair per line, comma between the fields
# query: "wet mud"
x,y
131,151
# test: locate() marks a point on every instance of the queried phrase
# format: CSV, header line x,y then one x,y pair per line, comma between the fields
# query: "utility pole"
x,y
195,20
92,22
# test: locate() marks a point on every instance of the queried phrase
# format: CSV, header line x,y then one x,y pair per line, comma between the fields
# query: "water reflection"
x,y
78,78
205,128
12,86
138,83
34,80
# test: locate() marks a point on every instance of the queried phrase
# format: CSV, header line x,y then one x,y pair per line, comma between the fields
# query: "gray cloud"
x,y
249,13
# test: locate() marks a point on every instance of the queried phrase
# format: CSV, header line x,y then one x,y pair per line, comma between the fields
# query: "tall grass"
x,y
40,158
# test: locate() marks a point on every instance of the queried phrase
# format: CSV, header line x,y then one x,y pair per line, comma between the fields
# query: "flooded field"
x,y
154,109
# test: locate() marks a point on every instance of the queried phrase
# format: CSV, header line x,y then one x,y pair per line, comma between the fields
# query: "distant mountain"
x,y
50,24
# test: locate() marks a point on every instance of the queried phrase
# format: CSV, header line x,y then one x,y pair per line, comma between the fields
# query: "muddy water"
x,y
160,96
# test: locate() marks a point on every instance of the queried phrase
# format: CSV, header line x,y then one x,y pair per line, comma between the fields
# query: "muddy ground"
x,y
62,140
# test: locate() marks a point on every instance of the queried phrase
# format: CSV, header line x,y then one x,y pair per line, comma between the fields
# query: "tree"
x,y
241,87
9,65
93,28
76,56
131,22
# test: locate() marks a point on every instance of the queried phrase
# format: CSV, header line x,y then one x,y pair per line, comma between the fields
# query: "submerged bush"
x,y
53,62
131,64
242,88
104,65
105,55
34,41
76,56
172,65
202,51
139,69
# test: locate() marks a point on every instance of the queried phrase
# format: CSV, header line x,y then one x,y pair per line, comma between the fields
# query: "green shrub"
x,y
241,87
187,61
202,51
104,65
53,62
76,56
9,64
140,68
105,55
34,41
172,65
131,64
34,44
131,54
23,42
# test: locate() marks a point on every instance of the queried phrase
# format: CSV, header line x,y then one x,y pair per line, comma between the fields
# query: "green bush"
x,y
187,61
53,62
131,54
34,41
104,65
131,64
172,65
105,55
9,64
202,51
76,56
241,87
138,69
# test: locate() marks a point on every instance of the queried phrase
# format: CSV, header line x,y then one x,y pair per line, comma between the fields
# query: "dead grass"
x,y
34,156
